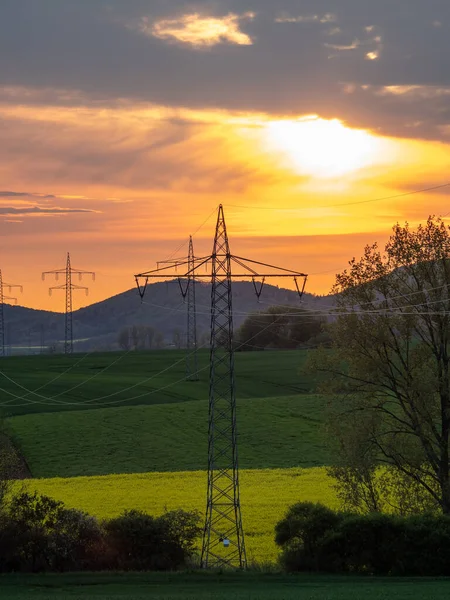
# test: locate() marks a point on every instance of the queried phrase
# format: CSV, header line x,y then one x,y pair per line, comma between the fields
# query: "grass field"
x,y
91,381
146,448
265,496
273,432
204,586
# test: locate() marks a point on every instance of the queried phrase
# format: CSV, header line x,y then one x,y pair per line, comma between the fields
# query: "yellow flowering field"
x,y
265,496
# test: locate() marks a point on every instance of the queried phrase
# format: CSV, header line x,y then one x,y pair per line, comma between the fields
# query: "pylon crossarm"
x,y
164,272
11,286
262,264
244,266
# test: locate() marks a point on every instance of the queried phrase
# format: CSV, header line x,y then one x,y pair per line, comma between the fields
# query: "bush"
x,y
300,534
46,536
363,544
140,542
39,534
313,537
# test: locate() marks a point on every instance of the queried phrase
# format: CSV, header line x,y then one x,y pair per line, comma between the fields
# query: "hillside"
x,y
96,327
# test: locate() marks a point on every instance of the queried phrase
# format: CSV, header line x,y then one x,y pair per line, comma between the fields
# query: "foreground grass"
x,y
273,433
91,381
232,586
265,496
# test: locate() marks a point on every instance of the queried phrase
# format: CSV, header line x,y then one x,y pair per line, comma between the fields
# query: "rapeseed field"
x,y
265,495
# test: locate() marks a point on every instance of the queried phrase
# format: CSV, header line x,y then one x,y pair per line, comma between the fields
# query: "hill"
x,y
96,327
273,433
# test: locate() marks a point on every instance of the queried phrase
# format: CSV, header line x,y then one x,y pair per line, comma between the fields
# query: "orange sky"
x,y
148,176
123,125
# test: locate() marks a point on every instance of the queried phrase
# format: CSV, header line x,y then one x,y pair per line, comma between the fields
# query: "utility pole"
x,y
187,287
223,535
68,286
2,314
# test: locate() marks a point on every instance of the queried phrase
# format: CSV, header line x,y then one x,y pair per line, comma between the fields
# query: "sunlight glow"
x,y
323,148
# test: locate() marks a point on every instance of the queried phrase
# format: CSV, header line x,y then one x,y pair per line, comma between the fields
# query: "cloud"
x,y
326,18
199,31
37,210
9,194
134,147
353,46
266,76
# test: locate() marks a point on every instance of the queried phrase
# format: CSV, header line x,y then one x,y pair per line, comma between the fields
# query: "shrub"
x,y
363,544
300,534
38,534
46,536
315,538
139,542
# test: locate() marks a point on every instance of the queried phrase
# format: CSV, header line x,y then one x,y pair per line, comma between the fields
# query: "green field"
x,y
61,383
273,432
204,586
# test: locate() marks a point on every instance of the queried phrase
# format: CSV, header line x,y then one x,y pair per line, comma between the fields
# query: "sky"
x,y
124,124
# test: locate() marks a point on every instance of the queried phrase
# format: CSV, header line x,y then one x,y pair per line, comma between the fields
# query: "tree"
x,y
9,466
177,338
142,542
389,371
278,327
124,339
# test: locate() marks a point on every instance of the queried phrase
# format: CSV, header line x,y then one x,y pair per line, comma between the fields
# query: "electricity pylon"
x,y
191,326
2,315
68,286
223,534
187,287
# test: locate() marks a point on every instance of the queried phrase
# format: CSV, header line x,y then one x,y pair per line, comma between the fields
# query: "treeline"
x,y
313,537
39,534
140,337
281,327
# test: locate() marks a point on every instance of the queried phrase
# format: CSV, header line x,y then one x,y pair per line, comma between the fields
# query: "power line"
x,y
356,202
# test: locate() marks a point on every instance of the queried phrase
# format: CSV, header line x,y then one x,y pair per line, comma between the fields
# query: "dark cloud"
x,y
37,210
9,194
300,64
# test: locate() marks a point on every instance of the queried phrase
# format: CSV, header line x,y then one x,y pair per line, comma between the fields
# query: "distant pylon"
x,y
68,287
2,314
191,338
187,286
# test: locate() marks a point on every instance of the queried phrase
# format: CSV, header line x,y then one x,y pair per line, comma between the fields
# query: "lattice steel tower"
x,y
187,285
10,286
68,286
191,330
223,536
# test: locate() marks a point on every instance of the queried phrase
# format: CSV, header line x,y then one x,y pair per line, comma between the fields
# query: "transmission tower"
x,y
68,287
2,315
191,338
187,287
223,535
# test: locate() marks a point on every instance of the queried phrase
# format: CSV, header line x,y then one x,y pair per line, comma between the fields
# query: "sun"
x,y
322,148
